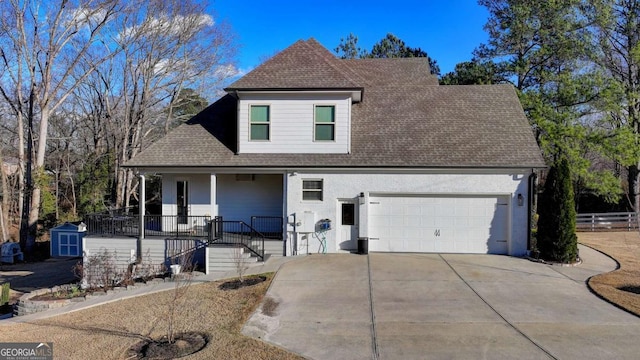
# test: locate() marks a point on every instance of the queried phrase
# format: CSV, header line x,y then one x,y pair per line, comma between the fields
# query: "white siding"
x,y
292,124
123,250
349,186
200,201
239,200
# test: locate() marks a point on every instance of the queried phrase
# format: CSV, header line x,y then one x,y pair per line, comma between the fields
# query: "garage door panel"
x,y
462,224
413,221
412,210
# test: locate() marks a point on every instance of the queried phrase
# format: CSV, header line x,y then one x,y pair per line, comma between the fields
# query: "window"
x,y
348,214
312,190
259,122
325,123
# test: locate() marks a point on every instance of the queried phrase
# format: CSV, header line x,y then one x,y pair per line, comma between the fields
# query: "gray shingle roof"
x,y
403,71
303,65
406,120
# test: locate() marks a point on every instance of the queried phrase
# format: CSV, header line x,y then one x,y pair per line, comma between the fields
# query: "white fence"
x,y
618,221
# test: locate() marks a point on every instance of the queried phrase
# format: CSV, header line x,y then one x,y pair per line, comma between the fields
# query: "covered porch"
x,y
254,200
210,210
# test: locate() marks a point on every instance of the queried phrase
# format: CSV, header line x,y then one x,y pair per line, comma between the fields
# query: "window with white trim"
x,y
259,122
325,123
312,190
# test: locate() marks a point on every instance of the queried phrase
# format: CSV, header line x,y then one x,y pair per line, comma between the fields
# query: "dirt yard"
x,y
625,248
107,331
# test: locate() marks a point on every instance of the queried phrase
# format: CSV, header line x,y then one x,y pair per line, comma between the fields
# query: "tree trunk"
x,y
21,171
3,227
4,206
632,179
27,231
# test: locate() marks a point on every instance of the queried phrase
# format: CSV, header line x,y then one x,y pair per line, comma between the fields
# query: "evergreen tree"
x,y
557,240
388,47
474,72
544,48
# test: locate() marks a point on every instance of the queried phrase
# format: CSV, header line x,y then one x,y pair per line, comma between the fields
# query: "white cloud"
x,y
161,66
171,26
228,71
84,16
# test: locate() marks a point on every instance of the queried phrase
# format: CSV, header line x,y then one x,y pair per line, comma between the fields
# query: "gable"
x,y
303,65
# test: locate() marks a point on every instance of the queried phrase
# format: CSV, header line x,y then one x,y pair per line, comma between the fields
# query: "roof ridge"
x,y
335,63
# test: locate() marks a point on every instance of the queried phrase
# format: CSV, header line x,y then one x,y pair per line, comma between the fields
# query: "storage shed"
x,y
66,240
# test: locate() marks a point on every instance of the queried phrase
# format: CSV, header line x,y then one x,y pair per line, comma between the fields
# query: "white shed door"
x,y
449,224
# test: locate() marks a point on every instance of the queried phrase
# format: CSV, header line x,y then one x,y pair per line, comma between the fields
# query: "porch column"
x,y
142,210
212,196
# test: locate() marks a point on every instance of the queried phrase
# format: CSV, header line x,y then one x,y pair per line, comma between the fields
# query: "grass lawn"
x,y
107,331
625,248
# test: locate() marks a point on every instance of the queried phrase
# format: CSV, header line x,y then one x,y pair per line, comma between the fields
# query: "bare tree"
x,y
178,45
131,100
239,261
43,45
117,66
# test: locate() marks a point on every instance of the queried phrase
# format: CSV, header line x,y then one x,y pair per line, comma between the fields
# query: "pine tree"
x,y
557,240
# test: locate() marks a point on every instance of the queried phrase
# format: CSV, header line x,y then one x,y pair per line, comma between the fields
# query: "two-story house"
x,y
339,150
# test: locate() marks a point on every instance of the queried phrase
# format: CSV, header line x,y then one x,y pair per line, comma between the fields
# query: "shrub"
x,y
556,237
5,290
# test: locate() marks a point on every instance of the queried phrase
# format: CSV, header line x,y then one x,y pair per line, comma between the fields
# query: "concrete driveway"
x,y
432,306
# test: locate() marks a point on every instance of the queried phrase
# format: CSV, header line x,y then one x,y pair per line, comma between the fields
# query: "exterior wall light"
x,y
520,200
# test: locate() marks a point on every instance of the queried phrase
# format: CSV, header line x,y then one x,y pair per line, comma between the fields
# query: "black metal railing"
x,y
215,229
114,224
176,225
184,251
110,224
238,233
269,226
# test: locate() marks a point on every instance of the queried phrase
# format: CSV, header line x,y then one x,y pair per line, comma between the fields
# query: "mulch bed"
x,y
631,289
184,344
61,295
237,284
6,309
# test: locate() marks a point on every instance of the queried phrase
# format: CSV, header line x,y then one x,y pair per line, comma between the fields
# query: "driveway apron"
x,y
433,306
324,308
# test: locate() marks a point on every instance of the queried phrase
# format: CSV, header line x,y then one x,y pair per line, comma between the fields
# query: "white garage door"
x,y
450,224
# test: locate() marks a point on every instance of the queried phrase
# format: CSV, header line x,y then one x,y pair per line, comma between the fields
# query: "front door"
x,y
183,201
348,224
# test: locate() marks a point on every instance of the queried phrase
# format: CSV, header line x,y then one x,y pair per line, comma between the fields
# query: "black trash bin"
x,y
363,245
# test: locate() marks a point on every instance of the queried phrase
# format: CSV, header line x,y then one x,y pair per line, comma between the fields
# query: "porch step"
x,y
223,258
273,247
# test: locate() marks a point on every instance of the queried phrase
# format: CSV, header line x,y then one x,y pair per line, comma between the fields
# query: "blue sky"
x,y
448,30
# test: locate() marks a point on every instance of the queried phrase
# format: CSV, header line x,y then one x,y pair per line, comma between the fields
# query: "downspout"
x,y
530,203
285,217
142,208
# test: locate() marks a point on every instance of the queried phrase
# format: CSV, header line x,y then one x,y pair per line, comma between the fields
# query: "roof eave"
x,y
357,93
